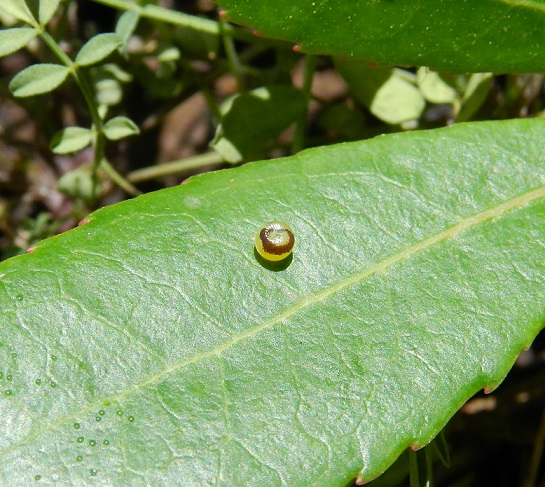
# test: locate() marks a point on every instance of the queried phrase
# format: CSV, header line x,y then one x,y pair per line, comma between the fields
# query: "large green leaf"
x,y
455,35
149,346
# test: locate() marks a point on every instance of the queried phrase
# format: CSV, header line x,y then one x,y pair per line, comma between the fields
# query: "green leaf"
x,y
446,35
47,10
169,54
109,91
475,95
120,127
38,79
150,346
12,40
340,119
125,26
19,10
434,88
198,44
251,120
97,48
79,184
108,82
71,139
389,94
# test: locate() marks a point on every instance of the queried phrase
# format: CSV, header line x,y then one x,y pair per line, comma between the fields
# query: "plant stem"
x,y
211,103
420,468
174,167
84,86
118,179
184,20
536,457
165,15
298,143
231,54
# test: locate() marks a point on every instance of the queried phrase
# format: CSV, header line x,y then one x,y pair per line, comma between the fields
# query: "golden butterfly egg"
x,y
274,241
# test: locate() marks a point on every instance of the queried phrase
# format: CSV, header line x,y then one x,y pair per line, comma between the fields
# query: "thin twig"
x,y
168,168
298,143
530,476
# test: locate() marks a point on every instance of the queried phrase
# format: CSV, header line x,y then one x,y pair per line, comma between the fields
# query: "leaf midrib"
x,y
450,233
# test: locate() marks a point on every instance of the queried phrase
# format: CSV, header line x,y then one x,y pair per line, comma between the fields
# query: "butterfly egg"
x,y
274,241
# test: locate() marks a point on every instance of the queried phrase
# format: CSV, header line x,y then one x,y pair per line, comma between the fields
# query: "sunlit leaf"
x,y
151,346
47,9
125,26
120,127
12,40
251,120
388,94
71,139
38,79
18,9
97,48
